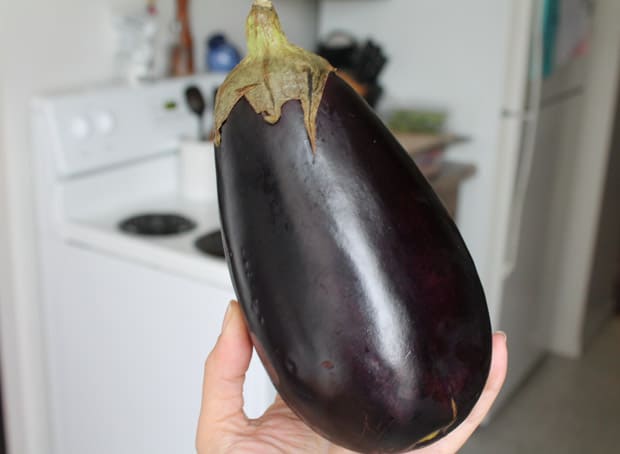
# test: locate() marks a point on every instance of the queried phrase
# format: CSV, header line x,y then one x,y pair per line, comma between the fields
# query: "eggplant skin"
x,y
360,295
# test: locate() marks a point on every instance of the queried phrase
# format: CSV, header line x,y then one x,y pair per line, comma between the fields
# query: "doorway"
x,y
604,288
2,437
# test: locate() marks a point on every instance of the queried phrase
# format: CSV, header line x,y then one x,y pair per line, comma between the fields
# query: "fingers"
x,y
222,393
499,365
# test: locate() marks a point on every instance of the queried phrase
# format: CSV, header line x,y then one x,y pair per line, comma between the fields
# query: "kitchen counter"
x,y
448,180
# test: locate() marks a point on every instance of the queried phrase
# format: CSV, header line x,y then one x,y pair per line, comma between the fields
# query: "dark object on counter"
x,y
370,63
364,63
362,300
373,94
182,56
340,49
159,224
222,56
197,105
211,244
360,66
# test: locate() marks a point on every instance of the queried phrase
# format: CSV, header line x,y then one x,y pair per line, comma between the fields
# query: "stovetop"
x,y
212,244
168,225
182,236
114,153
157,224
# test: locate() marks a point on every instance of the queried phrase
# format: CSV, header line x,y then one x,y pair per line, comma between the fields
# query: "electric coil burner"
x,y
157,224
211,244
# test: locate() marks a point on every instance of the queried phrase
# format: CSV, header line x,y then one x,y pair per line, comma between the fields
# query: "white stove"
x,y
171,253
131,307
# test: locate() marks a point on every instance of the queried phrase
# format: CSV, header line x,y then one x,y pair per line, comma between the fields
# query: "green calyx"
x,y
273,72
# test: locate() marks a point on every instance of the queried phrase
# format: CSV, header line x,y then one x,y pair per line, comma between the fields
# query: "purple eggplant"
x,y
360,295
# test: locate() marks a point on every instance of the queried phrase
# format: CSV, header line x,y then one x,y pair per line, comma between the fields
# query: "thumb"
x,y
222,392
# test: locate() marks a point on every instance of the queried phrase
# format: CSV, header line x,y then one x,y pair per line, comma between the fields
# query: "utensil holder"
x,y
197,179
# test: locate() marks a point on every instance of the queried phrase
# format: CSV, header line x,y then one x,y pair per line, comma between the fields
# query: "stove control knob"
x,y
80,128
105,123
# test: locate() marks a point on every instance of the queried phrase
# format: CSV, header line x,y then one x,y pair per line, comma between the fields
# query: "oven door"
x,y
126,346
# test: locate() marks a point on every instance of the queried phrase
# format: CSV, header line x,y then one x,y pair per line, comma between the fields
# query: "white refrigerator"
x,y
539,125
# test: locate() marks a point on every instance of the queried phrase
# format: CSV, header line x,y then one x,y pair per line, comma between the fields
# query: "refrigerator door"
x,y
548,129
515,293
525,310
563,83
515,118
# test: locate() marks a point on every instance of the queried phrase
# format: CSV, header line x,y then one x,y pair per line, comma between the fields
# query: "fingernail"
x,y
502,333
228,315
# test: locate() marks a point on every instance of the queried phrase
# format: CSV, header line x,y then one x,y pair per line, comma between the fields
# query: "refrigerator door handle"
x,y
518,201
528,146
524,115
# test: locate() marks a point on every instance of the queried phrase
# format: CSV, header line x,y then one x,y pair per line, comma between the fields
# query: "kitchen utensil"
x,y
339,48
182,58
198,105
197,170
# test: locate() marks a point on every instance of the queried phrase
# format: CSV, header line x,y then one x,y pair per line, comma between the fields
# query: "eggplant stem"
x,y
273,72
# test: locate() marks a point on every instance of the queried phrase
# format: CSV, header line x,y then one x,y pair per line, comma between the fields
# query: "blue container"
x,y
221,55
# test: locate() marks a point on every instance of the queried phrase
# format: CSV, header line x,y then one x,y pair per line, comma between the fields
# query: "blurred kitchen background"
x,y
112,281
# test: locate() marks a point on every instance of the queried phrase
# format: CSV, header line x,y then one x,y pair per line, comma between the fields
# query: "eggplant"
x,y
360,295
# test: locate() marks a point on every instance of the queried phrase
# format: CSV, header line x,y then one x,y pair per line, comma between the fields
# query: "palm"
x,y
279,430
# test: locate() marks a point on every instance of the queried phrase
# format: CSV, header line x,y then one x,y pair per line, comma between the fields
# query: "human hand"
x,y
223,427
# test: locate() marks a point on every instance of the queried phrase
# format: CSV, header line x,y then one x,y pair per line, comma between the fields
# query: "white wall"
x,y
48,45
448,54
57,45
